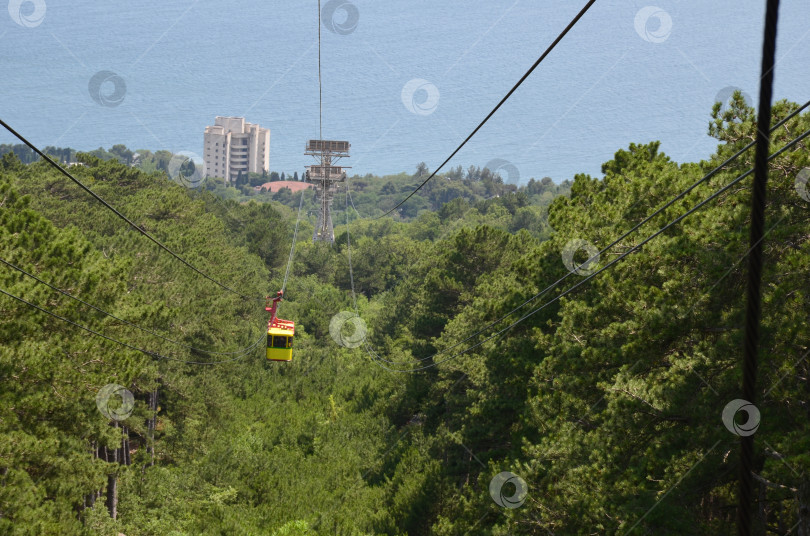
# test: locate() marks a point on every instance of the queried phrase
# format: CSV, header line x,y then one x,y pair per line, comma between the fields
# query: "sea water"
x,y
404,82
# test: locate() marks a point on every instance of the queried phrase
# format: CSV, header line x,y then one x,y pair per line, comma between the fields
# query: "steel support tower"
x,y
326,176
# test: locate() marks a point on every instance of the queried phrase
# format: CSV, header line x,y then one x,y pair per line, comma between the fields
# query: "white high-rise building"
x,y
231,145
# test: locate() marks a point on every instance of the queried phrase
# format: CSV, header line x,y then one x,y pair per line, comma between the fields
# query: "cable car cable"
x,y
292,247
124,344
132,324
588,278
280,333
320,86
119,214
706,177
621,257
644,221
369,350
735,181
349,250
504,99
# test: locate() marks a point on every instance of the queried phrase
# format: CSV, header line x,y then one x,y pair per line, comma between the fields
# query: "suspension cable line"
x,y
586,279
127,345
238,353
632,250
292,247
349,248
128,323
320,86
98,198
706,177
503,100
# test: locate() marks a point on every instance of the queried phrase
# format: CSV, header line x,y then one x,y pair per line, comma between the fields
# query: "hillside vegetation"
x,y
606,402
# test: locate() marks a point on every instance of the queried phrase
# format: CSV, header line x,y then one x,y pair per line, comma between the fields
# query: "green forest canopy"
x,y
606,403
372,195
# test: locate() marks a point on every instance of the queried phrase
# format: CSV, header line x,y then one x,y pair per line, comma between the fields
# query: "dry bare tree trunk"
x,y
125,446
90,498
112,482
112,495
760,524
803,504
152,423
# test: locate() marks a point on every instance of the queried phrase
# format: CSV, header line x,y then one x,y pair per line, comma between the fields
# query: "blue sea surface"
x,y
404,82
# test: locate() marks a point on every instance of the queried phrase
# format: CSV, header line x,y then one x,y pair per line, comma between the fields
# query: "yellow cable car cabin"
x,y
279,334
280,341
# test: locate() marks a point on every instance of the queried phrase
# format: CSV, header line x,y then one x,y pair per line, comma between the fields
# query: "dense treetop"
x,y
607,402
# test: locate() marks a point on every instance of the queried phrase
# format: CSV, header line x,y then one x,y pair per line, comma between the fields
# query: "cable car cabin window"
x,y
279,341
